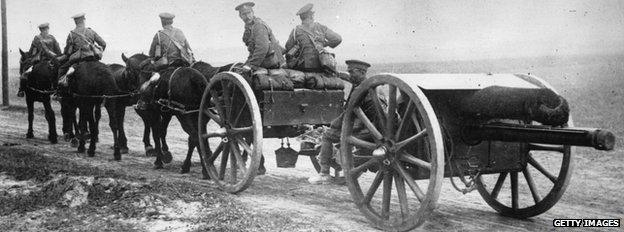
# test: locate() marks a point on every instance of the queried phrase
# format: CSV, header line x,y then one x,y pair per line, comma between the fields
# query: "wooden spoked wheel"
x,y
538,186
390,141
229,101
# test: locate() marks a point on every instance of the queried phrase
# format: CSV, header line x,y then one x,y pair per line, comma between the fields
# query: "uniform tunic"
x,y
44,47
168,48
264,49
309,51
79,39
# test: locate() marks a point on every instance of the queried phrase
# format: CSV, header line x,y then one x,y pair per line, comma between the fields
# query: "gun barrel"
x,y
587,137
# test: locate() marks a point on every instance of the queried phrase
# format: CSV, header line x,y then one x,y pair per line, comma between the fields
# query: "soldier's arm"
x,y
152,51
99,40
332,38
68,45
261,48
55,48
290,42
33,46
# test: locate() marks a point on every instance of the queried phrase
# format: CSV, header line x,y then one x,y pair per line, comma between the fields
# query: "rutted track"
x,y
286,191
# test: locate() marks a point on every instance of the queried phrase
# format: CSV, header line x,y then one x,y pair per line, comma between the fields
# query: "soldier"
x,y
264,49
43,47
83,44
169,47
308,40
357,73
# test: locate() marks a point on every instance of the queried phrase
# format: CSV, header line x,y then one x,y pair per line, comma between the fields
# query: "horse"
x,y
39,85
90,84
128,81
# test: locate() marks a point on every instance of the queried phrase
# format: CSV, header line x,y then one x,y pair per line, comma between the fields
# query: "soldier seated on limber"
x,y
307,41
169,47
43,47
264,49
83,44
357,73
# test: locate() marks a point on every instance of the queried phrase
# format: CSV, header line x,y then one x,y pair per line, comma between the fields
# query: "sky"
x,y
376,31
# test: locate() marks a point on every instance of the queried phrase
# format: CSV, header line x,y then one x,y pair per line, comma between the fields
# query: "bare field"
x,y
282,200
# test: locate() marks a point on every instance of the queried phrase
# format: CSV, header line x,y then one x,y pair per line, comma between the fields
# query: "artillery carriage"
x,y
417,135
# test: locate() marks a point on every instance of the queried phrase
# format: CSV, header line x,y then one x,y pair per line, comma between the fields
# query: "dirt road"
x,y
593,192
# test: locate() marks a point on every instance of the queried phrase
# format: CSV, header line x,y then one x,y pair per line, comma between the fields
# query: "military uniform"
x,y
264,49
43,47
79,45
171,43
332,135
311,39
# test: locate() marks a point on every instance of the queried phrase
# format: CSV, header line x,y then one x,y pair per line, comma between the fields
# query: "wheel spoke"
x,y
531,184
400,186
387,192
214,117
514,190
415,161
410,182
218,106
239,158
215,153
244,144
499,184
240,112
419,135
381,115
406,115
373,188
233,167
361,143
227,101
224,159
357,170
540,168
392,106
241,129
367,122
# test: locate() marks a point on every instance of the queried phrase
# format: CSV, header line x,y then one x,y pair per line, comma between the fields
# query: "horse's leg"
x,y
74,124
146,132
82,127
186,166
123,141
49,115
156,134
97,115
67,122
30,105
166,119
113,122
92,128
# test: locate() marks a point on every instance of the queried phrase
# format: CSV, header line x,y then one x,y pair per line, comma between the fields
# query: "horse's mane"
x,y
208,70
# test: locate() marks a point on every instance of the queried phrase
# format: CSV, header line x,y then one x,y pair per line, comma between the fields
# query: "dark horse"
x,y
90,84
176,91
39,85
128,81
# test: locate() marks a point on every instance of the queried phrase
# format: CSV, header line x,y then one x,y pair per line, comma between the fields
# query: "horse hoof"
x,y
73,142
150,152
29,135
158,166
91,153
205,177
124,150
67,137
167,158
81,149
261,171
185,170
117,157
53,139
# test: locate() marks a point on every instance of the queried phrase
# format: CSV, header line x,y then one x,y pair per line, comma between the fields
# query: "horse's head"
x,y
25,61
138,68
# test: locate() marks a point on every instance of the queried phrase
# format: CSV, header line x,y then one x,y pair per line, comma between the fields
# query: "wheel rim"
x,y
229,102
548,167
406,140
